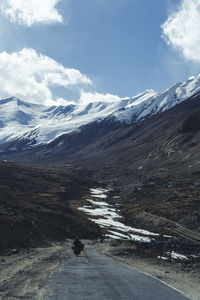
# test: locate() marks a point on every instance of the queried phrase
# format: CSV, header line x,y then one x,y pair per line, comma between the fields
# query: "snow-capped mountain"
x,y
39,124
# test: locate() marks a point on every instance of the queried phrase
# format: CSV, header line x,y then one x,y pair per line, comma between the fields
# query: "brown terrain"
x,y
153,165
35,206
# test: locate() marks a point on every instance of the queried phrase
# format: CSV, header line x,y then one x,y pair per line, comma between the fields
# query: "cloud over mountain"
x,y
181,30
29,75
30,12
88,97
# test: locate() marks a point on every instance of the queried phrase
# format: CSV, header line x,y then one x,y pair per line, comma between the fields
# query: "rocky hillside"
x,y
35,206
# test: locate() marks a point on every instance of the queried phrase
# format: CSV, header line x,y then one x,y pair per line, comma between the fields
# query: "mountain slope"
x,y
28,124
148,140
35,206
153,163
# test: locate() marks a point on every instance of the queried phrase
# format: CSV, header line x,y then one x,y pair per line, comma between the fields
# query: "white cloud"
x,y
31,77
182,29
29,12
88,97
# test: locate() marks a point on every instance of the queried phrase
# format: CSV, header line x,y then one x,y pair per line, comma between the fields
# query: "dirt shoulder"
x,y
184,278
24,275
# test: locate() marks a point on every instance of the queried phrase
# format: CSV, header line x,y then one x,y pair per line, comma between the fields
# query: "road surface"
x,y
93,276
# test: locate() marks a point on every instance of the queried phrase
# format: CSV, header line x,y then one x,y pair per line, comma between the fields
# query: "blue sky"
x,y
96,49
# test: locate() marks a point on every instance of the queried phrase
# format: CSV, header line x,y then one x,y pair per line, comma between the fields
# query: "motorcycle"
x,y
77,249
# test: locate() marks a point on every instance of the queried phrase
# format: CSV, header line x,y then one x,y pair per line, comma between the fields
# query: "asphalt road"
x,y
93,276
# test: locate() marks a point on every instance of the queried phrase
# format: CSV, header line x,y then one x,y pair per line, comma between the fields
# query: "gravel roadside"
x,y
24,274
186,280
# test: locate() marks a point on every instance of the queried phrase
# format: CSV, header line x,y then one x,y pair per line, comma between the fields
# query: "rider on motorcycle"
x,y
77,246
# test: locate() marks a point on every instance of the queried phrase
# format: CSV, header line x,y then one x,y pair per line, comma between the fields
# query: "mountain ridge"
x,y
35,124
95,142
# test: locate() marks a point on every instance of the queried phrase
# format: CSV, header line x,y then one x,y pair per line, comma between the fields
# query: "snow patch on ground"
x,y
98,203
178,256
107,217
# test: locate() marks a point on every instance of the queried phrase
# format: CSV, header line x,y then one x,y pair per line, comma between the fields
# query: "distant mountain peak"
x,y
24,120
15,100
